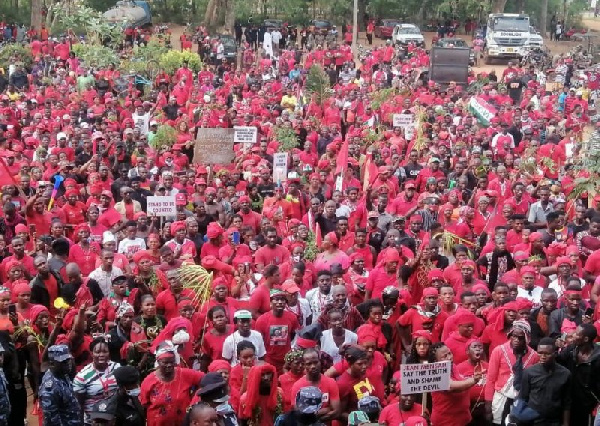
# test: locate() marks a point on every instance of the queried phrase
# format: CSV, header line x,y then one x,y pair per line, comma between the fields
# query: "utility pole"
x,y
355,29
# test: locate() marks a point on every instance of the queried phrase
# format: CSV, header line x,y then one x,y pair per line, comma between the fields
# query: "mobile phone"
x,y
12,309
235,237
589,312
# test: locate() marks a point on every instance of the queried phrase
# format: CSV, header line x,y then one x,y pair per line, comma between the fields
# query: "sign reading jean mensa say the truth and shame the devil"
x,y
420,378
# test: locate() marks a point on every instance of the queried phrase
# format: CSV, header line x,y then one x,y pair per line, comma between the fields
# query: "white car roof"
x,y
407,26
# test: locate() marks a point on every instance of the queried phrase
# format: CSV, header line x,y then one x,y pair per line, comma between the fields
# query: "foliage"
x,y
165,136
381,96
95,55
83,19
11,14
16,51
588,161
173,60
311,250
317,83
286,138
143,56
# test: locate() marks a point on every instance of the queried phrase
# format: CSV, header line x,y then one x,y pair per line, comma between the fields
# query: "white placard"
x,y
280,167
420,378
403,120
245,134
161,205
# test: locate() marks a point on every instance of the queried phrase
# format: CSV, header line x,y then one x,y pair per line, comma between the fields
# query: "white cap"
x,y
61,135
108,237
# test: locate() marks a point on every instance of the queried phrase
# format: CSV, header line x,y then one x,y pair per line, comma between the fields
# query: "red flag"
x,y
370,173
318,236
342,158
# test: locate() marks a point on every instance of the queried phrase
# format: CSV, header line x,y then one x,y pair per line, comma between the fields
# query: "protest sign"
x,y
214,146
482,109
161,205
403,120
420,378
245,134
280,167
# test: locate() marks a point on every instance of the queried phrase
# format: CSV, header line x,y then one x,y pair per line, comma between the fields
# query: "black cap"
x,y
105,409
127,375
211,382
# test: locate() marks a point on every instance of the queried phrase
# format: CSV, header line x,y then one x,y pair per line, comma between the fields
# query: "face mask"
x,y
180,337
134,392
296,258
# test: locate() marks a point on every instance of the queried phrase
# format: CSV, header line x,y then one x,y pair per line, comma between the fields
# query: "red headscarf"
x,y
187,350
252,395
219,364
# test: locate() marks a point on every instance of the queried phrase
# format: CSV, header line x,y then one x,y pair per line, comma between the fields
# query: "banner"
x,y
214,146
245,134
420,378
403,120
161,205
482,109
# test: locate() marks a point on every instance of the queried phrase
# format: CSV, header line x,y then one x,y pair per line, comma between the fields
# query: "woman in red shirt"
x,y
215,335
83,252
294,366
452,407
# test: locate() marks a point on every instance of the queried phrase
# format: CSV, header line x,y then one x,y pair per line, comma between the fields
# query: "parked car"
x,y
273,23
385,28
404,34
229,48
321,26
458,43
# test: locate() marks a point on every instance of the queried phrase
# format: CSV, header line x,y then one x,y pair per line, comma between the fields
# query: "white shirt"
x,y
559,289
142,121
104,279
317,301
535,296
329,347
128,246
231,342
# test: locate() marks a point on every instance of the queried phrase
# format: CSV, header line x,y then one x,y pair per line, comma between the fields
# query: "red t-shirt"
x,y
166,403
327,386
277,333
477,392
378,280
212,345
260,301
352,389
271,256
451,408
393,415
165,302
413,318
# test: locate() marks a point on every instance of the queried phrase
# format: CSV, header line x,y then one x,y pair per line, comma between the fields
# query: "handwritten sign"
x,y
245,134
420,378
280,167
483,110
403,120
214,146
161,205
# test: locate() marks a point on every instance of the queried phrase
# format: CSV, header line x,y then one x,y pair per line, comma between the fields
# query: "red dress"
x,y
166,403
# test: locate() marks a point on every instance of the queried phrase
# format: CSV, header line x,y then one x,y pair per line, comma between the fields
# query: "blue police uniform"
x,y
4,400
57,399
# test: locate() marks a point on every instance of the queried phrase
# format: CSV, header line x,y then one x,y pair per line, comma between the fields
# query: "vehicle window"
x,y
409,31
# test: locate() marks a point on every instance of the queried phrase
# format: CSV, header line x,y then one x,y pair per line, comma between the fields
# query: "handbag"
x,y
522,412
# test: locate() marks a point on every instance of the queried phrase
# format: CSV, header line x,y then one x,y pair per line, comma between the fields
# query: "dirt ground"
x,y
555,48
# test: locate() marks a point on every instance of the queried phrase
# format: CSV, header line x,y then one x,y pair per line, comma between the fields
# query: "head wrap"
x,y
472,340
213,230
35,311
535,236
523,326
430,291
483,287
19,287
391,256
465,318
177,226
304,343
563,260
332,238
252,395
528,270
165,349
219,364
524,304
123,308
142,255
435,274
293,355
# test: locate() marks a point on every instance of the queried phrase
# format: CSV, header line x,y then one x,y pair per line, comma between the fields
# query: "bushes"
x,y
21,53
173,60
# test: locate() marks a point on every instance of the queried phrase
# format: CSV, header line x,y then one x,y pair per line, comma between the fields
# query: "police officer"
x,y
309,401
4,400
214,391
129,410
57,400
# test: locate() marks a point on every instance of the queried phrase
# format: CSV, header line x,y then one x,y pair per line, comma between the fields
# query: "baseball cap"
x,y
357,418
242,314
373,214
369,404
61,135
211,382
275,292
290,287
127,375
180,199
59,353
309,400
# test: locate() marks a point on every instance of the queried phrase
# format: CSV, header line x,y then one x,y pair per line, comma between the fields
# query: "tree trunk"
x,y
229,16
544,17
210,11
520,6
36,14
498,6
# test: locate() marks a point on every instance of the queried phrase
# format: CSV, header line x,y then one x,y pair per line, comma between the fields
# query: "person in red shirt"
x,y
383,276
294,367
166,301
277,327
313,377
457,340
249,217
260,301
398,414
353,383
261,378
452,407
467,368
496,332
424,316
272,253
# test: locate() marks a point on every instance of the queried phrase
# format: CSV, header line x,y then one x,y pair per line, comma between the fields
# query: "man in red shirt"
x,y
249,217
398,414
277,328
272,253
331,393
425,316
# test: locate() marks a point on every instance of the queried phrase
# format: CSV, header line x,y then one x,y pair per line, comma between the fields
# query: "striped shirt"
x,y
95,385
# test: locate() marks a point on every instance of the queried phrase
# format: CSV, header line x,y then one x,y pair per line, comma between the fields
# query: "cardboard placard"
x,y
214,146
403,120
420,378
161,205
245,134
280,167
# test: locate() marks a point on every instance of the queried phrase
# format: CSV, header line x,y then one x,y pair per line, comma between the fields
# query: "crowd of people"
x,y
459,237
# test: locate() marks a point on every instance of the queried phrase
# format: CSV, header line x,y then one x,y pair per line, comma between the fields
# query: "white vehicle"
x,y
404,34
535,39
507,36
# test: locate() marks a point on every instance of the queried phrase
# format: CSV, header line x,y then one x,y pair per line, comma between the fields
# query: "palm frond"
x,y
317,83
197,279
